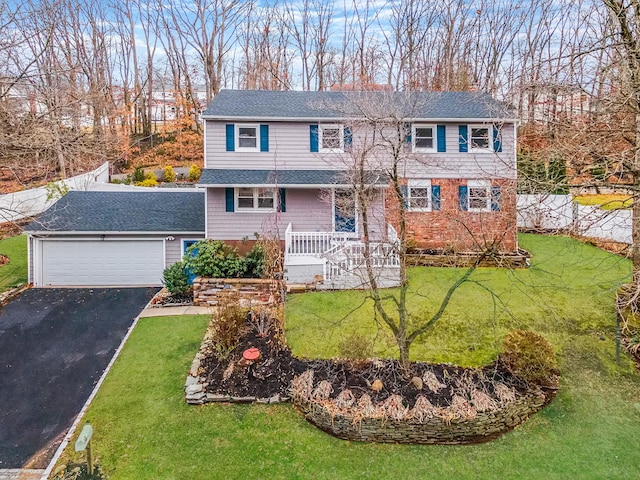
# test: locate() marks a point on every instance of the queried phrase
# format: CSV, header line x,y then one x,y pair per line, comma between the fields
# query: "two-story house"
x,y
285,163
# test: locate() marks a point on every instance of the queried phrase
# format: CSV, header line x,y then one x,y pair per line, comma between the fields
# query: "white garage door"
x,y
106,263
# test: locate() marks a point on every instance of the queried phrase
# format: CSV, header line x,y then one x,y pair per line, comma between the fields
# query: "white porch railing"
x,y
313,243
341,253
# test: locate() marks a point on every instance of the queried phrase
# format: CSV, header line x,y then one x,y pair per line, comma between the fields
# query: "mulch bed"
x,y
272,375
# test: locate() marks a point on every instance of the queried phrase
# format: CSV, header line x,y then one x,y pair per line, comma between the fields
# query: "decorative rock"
x,y
193,389
377,385
417,382
195,366
191,380
214,397
251,354
243,399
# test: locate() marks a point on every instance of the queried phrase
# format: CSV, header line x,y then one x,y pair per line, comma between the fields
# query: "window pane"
x,y
245,202
245,192
424,137
247,137
479,138
478,197
331,138
265,198
419,197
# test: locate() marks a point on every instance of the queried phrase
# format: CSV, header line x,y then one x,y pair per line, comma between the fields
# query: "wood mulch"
x,y
273,373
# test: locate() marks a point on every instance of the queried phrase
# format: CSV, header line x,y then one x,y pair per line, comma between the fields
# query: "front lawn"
x,y
144,430
15,272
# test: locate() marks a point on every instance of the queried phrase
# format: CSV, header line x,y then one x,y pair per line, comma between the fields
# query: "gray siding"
x,y
173,248
289,149
307,211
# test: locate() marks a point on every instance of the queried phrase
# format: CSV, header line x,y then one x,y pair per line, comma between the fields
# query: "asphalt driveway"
x,y
54,346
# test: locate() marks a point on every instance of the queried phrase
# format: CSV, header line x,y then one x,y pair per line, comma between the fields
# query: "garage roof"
x,y
166,212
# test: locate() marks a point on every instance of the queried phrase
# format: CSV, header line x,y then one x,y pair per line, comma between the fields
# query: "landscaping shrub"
x,y
176,279
214,259
227,327
149,180
254,262
529,356
169,174
194,173
138,175
355,346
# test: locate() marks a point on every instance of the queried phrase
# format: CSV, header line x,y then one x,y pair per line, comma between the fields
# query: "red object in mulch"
x,y
251,354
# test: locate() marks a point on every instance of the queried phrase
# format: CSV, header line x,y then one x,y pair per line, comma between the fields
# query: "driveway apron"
x,y
54,345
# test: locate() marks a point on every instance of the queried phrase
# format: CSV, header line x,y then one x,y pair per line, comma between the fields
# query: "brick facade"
x,y
453,229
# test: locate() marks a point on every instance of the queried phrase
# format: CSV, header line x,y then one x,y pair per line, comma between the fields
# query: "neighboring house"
x,y
280,163
113,238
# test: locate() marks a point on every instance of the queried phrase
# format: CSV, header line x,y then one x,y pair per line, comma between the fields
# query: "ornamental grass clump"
x,y
530,357
226,327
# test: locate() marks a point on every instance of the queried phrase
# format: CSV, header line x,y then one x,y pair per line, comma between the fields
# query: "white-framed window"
x,y
479,195
255,199
423,138
247,138
331,138
419,195
480,138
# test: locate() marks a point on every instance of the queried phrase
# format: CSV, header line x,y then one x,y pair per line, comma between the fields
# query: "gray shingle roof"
x,y
222,177
268,104
165,212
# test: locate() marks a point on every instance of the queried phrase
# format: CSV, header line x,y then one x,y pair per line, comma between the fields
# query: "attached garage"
x,y
98,262
113,238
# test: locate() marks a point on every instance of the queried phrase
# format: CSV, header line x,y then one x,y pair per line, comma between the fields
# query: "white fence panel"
x,y
545,212
558,212
24,204
604,224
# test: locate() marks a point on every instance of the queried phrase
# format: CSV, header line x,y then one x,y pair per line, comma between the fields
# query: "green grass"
x,y
611,201
568,290
144,430
15,272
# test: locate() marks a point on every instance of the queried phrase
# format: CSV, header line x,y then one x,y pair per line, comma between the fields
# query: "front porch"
x,y
338,260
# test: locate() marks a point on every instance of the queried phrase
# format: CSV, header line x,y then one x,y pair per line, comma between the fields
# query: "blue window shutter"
x,y
442,138
463,194
313,138
497,140
435,197
264,138
231,137
408,128
495,198
229,199
463,132
405,195
348,138
283,199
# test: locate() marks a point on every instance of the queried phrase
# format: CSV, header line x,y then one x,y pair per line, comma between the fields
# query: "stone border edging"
x,y
483,427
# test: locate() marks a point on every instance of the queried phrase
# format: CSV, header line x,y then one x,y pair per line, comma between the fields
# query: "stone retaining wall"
x,y
462,260
435,430
209,292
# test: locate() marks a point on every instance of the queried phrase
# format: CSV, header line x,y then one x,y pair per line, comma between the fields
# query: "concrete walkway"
x,y
171,311
21,474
